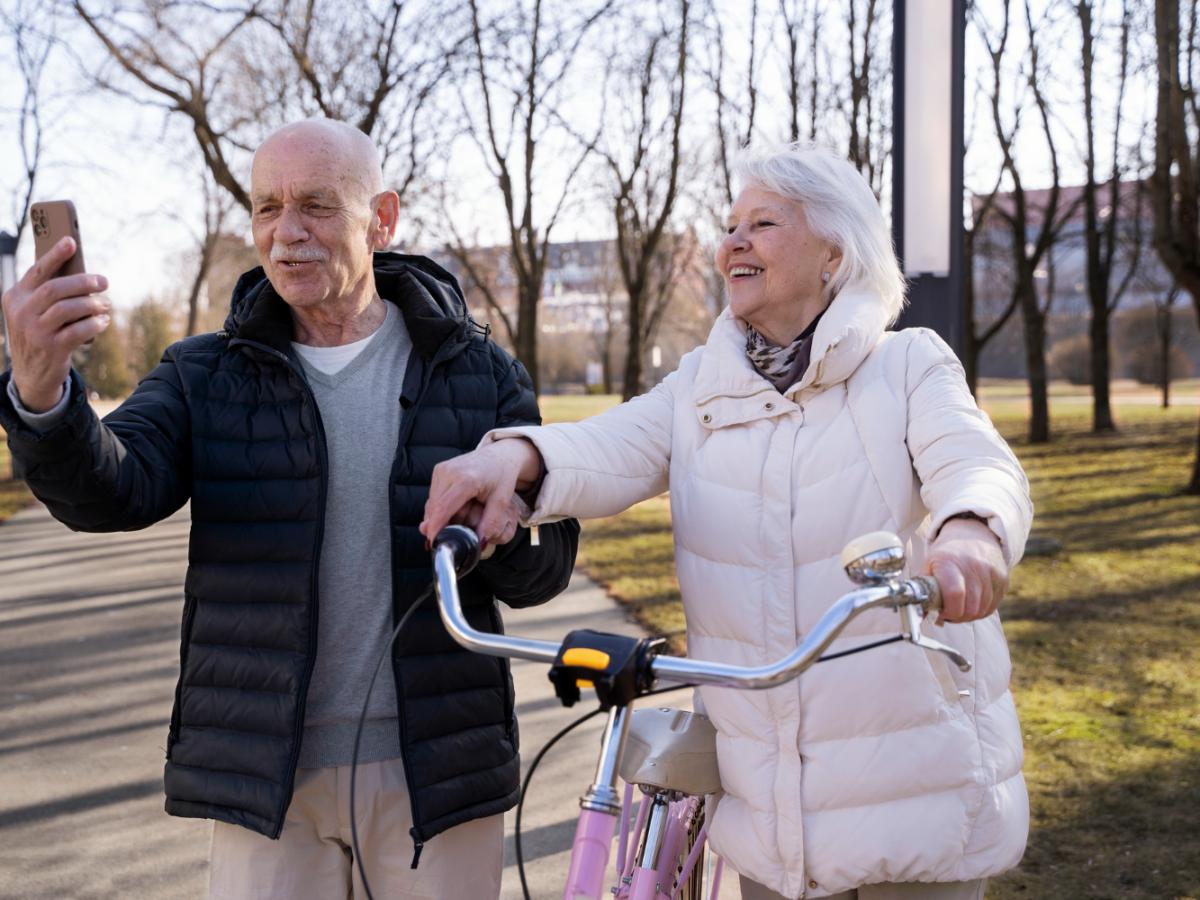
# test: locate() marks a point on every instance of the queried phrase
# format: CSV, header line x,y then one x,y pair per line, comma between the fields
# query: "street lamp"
x,y
927,160
8,277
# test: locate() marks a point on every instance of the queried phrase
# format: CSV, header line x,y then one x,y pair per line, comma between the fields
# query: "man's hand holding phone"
x,y
49,318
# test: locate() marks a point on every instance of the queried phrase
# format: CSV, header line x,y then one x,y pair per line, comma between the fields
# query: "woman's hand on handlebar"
x,y
967,562
478,489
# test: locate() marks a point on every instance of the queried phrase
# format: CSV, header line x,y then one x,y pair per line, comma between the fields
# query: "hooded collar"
x,y
427,295
726,380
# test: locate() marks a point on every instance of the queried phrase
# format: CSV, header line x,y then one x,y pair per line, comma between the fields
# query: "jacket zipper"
x,y
406,426
307,398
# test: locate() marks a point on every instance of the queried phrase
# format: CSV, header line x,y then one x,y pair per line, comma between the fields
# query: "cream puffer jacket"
x,y
885,766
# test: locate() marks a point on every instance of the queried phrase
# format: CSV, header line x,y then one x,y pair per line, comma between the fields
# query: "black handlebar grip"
x,y
465,545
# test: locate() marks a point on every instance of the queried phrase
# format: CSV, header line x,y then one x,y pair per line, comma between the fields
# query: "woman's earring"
x,y
825,277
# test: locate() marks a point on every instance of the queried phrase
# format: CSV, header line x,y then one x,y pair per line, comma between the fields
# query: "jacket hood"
x,y
428,296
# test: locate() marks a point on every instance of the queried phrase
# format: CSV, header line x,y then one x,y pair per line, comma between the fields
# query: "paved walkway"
x,y
89,654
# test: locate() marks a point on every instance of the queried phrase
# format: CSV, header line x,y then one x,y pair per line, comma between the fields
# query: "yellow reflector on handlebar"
x,y
586,658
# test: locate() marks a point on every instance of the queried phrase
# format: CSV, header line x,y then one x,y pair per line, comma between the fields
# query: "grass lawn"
x,y
13,494
1104,642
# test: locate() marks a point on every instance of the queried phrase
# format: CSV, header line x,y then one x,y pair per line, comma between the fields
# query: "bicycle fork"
x,y
601,807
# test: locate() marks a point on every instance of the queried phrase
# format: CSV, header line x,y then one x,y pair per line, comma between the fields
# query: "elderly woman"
x,y
801,424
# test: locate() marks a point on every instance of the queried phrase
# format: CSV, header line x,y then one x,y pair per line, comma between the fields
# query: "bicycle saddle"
x,y
673,750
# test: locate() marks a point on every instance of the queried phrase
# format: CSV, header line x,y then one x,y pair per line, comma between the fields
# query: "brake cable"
x,y
362,719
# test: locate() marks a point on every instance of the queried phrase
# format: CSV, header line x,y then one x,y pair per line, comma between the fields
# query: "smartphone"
x,y
52,221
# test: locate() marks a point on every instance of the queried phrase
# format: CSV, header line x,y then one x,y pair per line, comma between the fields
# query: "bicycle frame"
x,y
650,870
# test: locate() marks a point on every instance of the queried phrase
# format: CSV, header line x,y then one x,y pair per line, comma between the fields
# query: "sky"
x,y
133,173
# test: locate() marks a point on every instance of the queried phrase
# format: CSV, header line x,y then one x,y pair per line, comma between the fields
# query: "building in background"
x,y
583,317
1144,308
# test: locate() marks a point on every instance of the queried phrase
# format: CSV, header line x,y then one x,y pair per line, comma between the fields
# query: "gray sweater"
x,y
360,411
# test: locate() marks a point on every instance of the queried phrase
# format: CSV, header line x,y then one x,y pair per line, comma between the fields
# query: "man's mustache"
x,y
297,254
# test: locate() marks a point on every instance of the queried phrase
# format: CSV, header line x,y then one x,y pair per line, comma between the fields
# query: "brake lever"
x,y
911,615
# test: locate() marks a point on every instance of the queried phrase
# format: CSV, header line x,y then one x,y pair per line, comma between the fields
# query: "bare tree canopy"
x,y
1032,230
31,46
235,71
513,99
1101,231
645,158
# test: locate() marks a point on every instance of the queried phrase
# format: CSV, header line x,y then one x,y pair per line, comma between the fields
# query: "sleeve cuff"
x,y
42,421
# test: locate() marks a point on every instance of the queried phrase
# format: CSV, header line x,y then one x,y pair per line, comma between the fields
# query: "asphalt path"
x,y
89,655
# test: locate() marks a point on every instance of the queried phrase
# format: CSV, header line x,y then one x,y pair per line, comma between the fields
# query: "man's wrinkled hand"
x,y
969,567
48,319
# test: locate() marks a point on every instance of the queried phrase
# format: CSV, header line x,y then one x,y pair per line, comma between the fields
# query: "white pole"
x,y
928,73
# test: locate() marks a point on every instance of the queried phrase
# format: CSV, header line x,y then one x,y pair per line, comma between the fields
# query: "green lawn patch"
x,y
14,496
1104,639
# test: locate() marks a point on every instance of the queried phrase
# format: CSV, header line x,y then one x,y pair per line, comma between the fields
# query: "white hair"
x,y
839,207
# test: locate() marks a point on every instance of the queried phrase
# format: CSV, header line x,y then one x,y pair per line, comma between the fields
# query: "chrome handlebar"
x,y
875,562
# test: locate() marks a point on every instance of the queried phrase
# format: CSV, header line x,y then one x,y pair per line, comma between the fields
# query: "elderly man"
x,y
304,434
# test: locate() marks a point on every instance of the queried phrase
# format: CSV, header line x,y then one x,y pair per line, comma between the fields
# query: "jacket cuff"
x,y
42,421
57,439
991,515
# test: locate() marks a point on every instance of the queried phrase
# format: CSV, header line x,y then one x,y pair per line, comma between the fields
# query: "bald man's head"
x,y
352,156
320,211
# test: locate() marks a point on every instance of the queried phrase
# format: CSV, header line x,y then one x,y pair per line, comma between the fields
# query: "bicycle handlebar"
x,y
456,552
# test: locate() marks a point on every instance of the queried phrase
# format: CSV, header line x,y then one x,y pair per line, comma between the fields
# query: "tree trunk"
x,y
971,351
1194,485
527,333
606,366
206,252
1102,418
632,384
971,346
1035,362
1164,353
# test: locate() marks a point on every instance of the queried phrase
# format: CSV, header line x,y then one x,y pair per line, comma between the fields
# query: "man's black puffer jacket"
x,y
227,421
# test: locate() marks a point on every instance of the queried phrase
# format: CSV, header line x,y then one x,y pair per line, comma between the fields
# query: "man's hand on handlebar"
x,y
479,490
968,564
48,319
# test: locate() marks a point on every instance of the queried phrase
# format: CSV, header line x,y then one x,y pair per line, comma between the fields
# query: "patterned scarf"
x,y
782,366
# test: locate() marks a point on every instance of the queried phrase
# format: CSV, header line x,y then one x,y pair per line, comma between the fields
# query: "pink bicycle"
x,y
669,755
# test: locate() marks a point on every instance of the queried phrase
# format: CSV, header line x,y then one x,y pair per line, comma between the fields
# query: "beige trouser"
x,y
947,890
312,858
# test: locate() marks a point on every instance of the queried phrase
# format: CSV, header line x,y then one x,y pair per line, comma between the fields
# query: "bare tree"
x,y
737,102
519,61
863,22
983,216
32,47
612,296
488,271
217,210
1032,231
1175,184
233,73
1100,230
644,161
180,74
1164,310
807,88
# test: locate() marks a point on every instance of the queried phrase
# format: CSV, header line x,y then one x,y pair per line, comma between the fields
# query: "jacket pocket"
x,y
185,639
